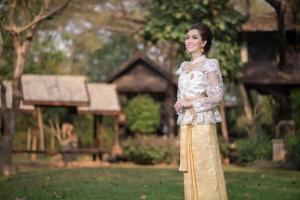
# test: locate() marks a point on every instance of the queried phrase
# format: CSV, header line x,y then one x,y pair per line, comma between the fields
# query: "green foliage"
x,y
265,122
249,150
149,150
170,21
295,104
245,150
268,112
228,55
143,114
293,149
83,127
224,147
145,154
44,58
6,59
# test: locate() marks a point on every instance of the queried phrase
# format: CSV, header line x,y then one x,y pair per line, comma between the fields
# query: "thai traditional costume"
x,y
200,81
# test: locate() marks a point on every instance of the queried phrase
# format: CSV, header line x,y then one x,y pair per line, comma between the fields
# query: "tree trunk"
x,y
251,126
6,144
169,56
1,45
280,8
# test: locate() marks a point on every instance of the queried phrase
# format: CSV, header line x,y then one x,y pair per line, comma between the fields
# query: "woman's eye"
x,y
186,37
195,37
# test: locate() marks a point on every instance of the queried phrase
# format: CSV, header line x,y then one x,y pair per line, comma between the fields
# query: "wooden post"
x,y
52,143
33,146
28,139
99,131
41,127
2,125
116,148
224,127
97,134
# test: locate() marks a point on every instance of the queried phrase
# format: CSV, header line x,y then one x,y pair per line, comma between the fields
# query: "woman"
x,y
200,91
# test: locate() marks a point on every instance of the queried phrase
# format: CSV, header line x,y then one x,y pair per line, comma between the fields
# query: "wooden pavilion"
x,y
140,75
103,101
53,90
72,92
29,109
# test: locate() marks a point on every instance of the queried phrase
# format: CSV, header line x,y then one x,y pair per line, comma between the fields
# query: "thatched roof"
x,y
103,100
140,74
265,73
58,90
23,108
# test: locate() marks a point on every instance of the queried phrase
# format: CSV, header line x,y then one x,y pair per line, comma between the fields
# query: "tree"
x,y
22,20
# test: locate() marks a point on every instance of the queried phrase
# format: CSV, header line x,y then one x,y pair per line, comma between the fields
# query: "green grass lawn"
x,y
116,183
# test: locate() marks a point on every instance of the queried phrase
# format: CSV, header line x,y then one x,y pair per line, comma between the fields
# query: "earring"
x,y
202,49
186,51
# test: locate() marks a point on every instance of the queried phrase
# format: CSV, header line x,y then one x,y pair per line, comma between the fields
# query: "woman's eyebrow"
x,y
192,35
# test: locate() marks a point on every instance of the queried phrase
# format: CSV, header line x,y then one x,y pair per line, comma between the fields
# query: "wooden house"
x,y
140,75
260,55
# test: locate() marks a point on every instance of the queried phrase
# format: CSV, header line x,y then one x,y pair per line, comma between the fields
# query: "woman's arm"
x,y
214,89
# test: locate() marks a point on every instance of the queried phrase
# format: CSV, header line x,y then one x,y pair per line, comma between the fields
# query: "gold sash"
x,y
184,136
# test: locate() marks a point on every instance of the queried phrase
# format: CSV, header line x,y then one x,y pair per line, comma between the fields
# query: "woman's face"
x,y
193,41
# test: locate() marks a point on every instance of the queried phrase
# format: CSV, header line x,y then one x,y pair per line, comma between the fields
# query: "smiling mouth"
x,y
190,46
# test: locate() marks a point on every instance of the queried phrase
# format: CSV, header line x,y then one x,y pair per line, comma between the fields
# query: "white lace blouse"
x,y
203,85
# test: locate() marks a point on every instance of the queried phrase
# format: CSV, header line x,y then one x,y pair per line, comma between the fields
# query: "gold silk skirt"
x,y
200,161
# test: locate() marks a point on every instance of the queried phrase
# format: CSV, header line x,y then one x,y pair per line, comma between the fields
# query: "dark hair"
x,y
205,33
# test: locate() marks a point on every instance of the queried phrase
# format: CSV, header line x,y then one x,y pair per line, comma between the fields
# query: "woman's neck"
x,y
196,55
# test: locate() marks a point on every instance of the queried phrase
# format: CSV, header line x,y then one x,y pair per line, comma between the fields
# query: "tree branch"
x,y
12,13
37,19
130,19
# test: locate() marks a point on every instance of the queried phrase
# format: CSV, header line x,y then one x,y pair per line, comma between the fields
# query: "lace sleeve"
x,y
214,87
179,70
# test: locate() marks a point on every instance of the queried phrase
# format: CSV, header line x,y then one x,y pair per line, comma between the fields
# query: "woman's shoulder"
x,y
181,66
185,62
211,64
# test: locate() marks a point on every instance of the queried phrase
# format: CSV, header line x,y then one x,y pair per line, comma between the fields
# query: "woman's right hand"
x,y
178,106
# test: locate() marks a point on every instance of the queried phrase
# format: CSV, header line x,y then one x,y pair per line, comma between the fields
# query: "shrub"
x,y
295,100
249,150
143,114
224,147
293,148
149,150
